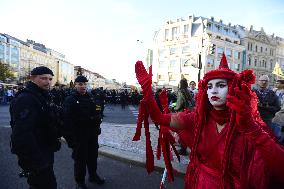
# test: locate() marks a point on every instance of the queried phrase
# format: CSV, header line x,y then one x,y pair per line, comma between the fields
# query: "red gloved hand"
x,y
240,103
144,79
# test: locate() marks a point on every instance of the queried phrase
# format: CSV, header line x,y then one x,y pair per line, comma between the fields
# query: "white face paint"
x,y
217,90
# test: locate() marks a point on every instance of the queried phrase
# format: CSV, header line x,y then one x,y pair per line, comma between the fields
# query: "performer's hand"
x,y
240,103
144,79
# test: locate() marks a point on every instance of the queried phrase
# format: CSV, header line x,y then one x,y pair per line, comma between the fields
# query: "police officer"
x,y
34,137
82,119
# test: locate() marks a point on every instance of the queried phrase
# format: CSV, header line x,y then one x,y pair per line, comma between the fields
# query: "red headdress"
x,y
203,106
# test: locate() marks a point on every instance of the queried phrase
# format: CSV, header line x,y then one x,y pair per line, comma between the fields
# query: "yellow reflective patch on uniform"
x,y
98,108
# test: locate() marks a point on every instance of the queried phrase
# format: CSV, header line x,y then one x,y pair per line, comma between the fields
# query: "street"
x,y
118,174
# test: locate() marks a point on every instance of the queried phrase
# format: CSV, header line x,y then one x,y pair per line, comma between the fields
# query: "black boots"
x,y
96,179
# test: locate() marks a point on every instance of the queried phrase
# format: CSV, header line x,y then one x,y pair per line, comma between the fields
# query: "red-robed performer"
x,y
230,145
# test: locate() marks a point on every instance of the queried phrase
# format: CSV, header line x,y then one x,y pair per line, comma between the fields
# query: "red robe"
x,y
255,161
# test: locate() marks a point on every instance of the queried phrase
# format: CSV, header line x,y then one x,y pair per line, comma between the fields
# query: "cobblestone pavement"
x,y
120,137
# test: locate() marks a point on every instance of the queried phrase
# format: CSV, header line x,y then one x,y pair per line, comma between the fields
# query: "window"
x,y
226,30
174,32
185,49
162,64
237,55
2,39
172,76
248,46
210,63
271,64
249,61
256,48
161,77
167,34
260,49
173,50
218,27
162,53
255,62
237,67
2,51
209,25
185,28
229,53
173,63
220,50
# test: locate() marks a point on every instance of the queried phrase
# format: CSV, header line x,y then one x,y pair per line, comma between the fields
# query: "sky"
x,y
101,35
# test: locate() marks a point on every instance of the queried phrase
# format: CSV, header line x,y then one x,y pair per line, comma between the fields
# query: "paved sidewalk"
x,y
116,142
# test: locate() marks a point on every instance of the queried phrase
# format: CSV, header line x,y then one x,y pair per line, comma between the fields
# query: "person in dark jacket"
x,y
185,100
268,102
34,137
82,119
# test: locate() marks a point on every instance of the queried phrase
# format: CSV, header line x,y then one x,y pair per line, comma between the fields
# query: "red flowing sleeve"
x,y
185,123
271,152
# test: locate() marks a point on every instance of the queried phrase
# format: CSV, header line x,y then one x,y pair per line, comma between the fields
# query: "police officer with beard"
x,y
34,137
82,119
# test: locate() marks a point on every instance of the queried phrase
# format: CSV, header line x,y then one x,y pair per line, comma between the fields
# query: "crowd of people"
x,y
232,131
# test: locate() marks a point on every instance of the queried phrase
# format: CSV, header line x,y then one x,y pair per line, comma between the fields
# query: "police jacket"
x,y
81,113
34,138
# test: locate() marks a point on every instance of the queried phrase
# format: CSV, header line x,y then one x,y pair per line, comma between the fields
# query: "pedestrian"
x,y
35,137
185,101
82,119
279,90
268,101
230,145
192,87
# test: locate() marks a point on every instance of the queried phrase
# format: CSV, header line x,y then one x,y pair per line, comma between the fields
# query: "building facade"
x,y
260,51
22,57
64,69
190,47
10,53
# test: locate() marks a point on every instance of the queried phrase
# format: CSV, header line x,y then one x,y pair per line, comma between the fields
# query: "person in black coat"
x,y
268,102
35,137
82,119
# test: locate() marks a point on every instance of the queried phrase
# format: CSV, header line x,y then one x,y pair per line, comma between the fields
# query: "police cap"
x,y
81,78
41,70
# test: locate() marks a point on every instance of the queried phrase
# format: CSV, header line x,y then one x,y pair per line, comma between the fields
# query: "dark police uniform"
x,y
82,119
34,136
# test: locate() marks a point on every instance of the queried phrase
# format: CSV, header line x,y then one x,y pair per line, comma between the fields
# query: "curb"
x,y
139,160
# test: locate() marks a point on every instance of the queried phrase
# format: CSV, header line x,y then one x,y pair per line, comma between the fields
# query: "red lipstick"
x,y
215,98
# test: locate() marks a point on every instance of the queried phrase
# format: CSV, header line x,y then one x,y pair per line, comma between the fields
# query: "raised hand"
x,y
240,103
144,79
